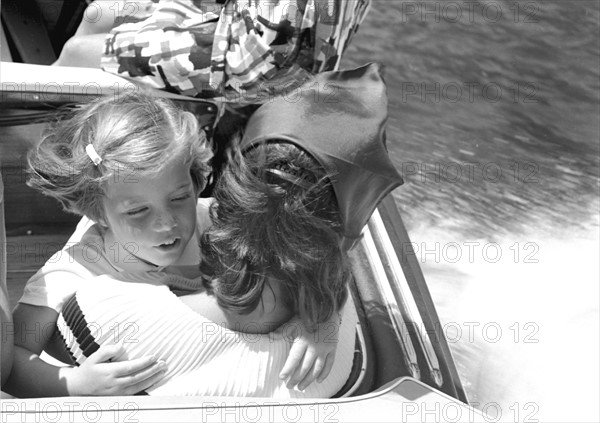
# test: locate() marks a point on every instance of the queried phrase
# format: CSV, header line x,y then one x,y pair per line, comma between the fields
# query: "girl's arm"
x,y
313,353
33,377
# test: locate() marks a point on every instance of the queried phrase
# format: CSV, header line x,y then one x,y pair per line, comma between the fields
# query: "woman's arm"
x,y
271,313
313,352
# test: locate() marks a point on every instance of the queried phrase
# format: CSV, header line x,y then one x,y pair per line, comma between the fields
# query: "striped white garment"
x,y
203,358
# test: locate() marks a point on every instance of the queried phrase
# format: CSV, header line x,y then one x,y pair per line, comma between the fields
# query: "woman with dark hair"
x,y
276,218
308,172
273,252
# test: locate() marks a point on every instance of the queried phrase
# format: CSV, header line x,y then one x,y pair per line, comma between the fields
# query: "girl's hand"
x,y
312,354
99,375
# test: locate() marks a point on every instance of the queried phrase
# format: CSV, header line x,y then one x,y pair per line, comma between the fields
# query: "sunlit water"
x,y
494,122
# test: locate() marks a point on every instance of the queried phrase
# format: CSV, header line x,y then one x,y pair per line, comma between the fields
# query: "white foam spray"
x,y
521,314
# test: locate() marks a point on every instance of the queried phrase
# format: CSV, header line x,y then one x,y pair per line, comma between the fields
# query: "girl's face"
x,y
152,217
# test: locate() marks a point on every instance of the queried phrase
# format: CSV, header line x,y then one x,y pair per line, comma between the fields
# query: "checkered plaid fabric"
x,y
165,45
243,52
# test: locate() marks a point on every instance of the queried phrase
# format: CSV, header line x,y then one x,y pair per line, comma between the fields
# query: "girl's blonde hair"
x,y
134,135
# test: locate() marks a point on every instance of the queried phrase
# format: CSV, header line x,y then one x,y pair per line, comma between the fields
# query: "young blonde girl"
x,y
134,166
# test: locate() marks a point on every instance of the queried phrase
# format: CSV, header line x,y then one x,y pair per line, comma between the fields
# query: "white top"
x,y
85,256
203,358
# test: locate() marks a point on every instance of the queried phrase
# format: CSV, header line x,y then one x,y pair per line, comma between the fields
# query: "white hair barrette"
x,y
93,155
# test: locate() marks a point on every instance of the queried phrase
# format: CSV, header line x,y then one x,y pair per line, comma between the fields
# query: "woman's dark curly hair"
x,y
276,218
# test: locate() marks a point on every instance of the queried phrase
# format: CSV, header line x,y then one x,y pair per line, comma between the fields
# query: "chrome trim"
x,y
391,305
402,294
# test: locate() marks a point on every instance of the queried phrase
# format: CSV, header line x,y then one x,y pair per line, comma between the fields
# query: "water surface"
x,y
494,123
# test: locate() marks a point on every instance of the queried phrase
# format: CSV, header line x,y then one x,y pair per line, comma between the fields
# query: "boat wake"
x,y
521,316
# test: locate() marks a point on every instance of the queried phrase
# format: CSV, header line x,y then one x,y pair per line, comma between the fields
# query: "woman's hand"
x,y
312,355
99,375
